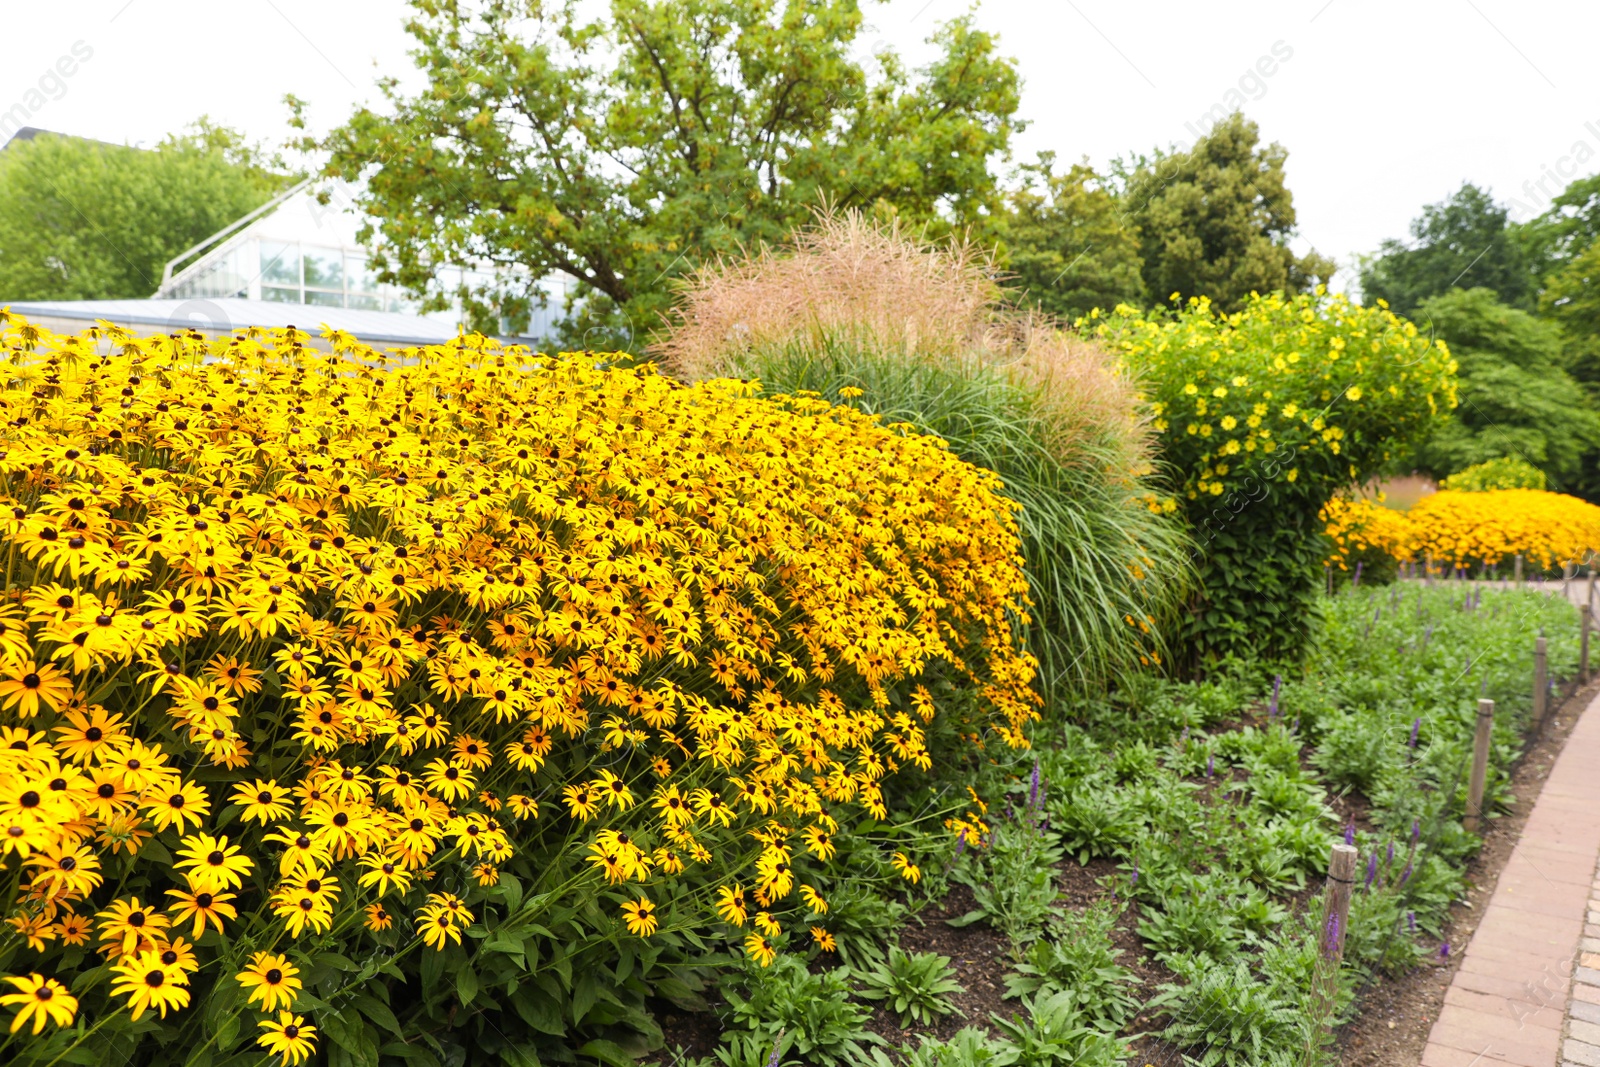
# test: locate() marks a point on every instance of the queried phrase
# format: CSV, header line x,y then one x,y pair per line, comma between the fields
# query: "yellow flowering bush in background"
x,y
1471,529
341,691
1367,532
1262,416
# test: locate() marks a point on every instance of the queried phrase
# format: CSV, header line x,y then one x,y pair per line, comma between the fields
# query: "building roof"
x,y
225,314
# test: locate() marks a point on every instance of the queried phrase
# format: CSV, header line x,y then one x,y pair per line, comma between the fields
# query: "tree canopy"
x,y
1463,241
1216,220
1068,243
85,220
625,149
1515,398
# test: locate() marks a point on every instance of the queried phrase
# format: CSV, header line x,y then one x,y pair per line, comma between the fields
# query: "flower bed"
x,y
1468,529
314,663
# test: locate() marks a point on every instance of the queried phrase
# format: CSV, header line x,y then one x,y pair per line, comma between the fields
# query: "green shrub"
x,y
1058,1033
1227,1017
1509,472
968,1047
917,985
814,1012
1013,881
1262,416
1078,955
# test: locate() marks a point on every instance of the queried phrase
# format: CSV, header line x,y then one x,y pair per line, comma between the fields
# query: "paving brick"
x,y
1584,1031
1507,1038
1582,1009
1548,1013
1581,1052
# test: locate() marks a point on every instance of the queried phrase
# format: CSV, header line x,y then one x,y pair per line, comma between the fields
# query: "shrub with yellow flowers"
x,y
444,704
1367,535
1475,529
1262,415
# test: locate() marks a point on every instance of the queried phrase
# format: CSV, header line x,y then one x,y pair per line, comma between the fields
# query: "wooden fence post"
x,y
1480,764
1586,616
1541,681
1341,878
1325,974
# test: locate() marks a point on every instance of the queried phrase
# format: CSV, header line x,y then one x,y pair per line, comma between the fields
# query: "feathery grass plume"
x,y
863,312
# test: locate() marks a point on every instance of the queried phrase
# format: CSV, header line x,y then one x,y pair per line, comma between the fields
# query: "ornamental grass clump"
x,y
1263,415
1492,527
341,691
866,314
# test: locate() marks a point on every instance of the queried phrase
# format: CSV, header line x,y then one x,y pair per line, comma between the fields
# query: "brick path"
x,y
1509,999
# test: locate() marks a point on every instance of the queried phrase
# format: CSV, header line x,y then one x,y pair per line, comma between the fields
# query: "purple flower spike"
x,y
1033,787
1372,870
1359,565
1416,831
1444,951
1277,687
1135,876
1390,857
1350,832
1411,922
1405,875
1416,728
1331,936
1211,765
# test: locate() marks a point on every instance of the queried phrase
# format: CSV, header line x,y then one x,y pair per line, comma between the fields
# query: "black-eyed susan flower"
x,y
177,807
28,686
212,863
289,1037
39,999
203,908
640,916
149,984
270,980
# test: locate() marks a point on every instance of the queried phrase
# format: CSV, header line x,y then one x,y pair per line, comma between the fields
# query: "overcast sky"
x,y
1383,106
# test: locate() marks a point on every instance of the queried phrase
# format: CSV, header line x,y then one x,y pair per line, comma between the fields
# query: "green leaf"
x,y
228,1032
378,1012
608,1052
432,971
466,984
584,993
539,1011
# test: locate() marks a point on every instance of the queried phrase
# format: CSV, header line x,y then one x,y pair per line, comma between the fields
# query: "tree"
x,y
627,149
1462,241
85,220
1515,398
1216,220
1068,243
1563,245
